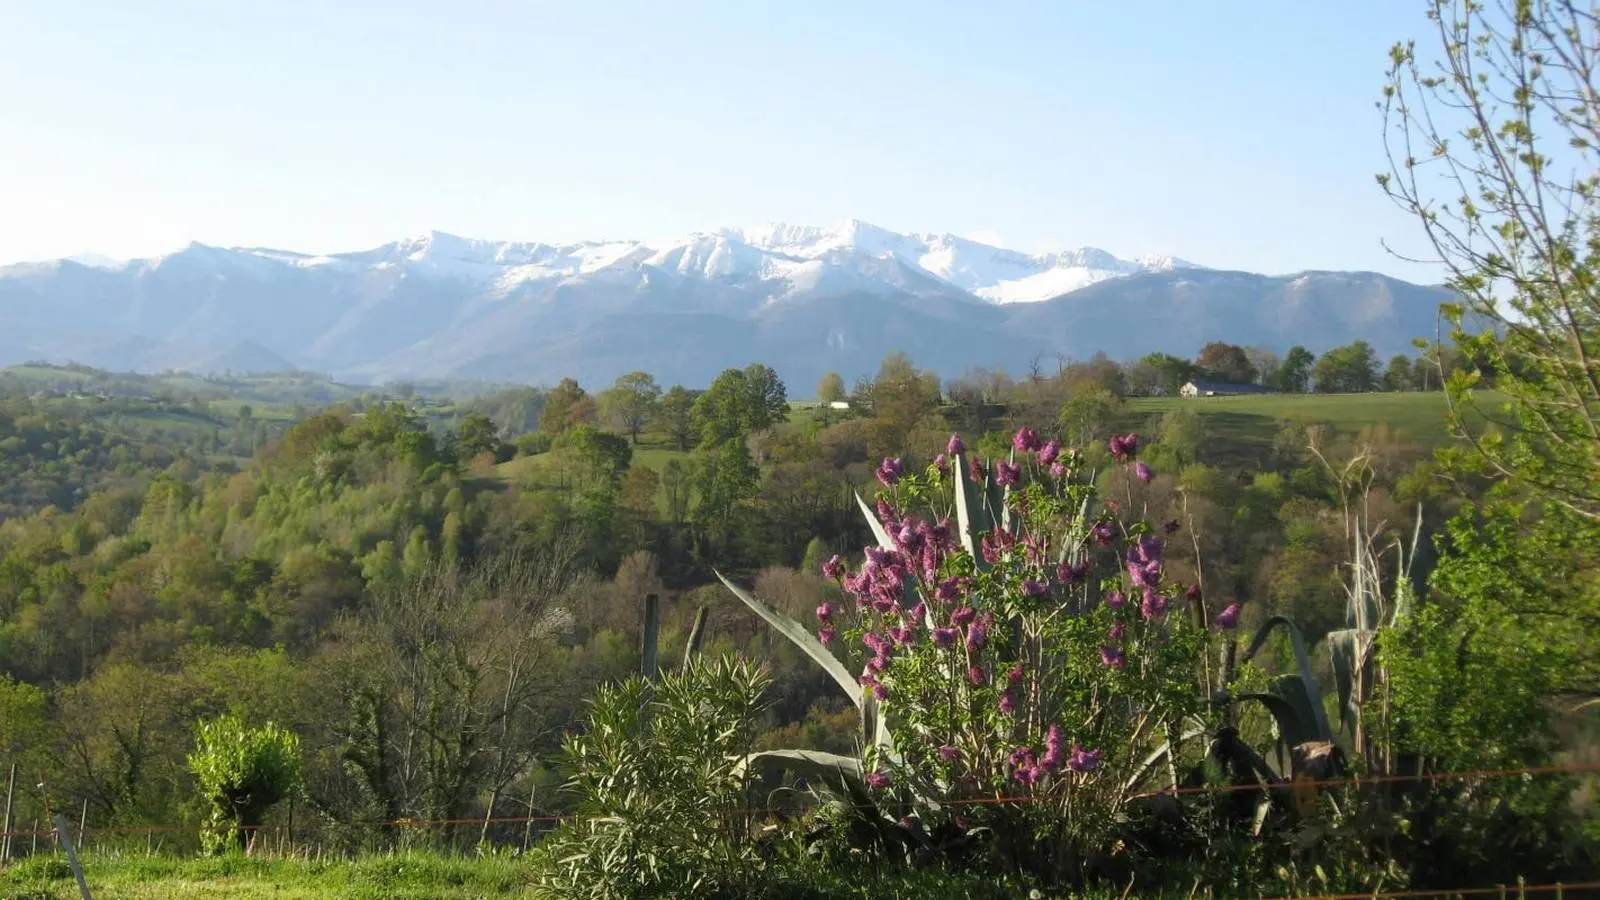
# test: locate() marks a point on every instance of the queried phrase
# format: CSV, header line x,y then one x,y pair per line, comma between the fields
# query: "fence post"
x,y
652,633
11,787
65,835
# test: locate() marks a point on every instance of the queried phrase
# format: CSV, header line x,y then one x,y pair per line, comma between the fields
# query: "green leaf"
x,y
1292,725
1303,662
800,637
842,774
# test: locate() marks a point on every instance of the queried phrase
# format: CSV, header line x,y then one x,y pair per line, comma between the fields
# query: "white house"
x,y
1220,389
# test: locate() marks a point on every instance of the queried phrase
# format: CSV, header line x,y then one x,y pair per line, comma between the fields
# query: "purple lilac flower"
x,y
978,634
878,663
879,692
1142,470
1049,452
1115,599
825,635
1083,760
1104,533
890,470
1072,573
977,675
1034,588
917,614
1154,604
1008,704
1057,470
833,568
824,612
963,615
878,779
1022,756
1025,440
955,447
875,642
1116,631
1015,675
939,534
1006,474
1124,447
908,537
975,470
1026,774
901,635
867,679
1113,657
941,465
944,637
949,753
945,591
1053,749
1228,619
886,511
1192,594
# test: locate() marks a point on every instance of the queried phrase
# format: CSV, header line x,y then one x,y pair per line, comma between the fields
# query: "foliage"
x,y
630,402
1221,361
663,797
1350,369
1293,375
830,388
241,772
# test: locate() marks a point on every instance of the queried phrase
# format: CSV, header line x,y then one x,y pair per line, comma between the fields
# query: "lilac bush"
x,y
1026,669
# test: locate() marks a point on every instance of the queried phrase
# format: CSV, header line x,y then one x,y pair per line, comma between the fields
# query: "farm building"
x,y
1220,389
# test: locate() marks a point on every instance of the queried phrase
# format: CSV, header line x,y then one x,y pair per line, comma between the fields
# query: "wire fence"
x,y
281,839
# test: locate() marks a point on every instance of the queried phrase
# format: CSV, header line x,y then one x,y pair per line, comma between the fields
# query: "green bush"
x,y
242,772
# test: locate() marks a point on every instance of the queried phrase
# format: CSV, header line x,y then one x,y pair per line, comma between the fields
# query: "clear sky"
x,y
1231,133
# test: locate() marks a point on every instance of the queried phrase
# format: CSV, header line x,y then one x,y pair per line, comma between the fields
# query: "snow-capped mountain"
x,y
812,298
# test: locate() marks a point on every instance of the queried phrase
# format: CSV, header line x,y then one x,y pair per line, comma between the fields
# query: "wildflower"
x,y
939,534
825,635
978,634
949,753
1006,474
1057,470
1025,440
1124,447
879,692
1149,548
824,612
1143,471
1228,619
941,465
886,512
1116,631
946,591
1049,452
1015,675
1051,761
880,662
975,470
878,779
1104,533
1008,705
875,642
867,679
1171,527
977,675
902,635
1034,588
963,615
1113,657
955,447
1154,604
833,568
908,538
890,470
1022,756
1072,573
1083,760
1115,599
944,637
918,613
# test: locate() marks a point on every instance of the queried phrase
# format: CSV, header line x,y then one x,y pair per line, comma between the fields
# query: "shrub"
x,y
242,772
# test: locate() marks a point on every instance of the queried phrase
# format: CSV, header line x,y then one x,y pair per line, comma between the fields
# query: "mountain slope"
x,y
804,299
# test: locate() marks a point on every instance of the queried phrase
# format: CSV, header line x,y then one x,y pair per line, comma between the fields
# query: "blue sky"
x,y
1235,134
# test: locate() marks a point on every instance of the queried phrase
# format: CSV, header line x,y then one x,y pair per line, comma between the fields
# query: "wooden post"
x,y
697,633
11,787
83,820
65,836
652,633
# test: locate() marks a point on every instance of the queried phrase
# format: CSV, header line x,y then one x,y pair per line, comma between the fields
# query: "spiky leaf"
x,y
800,637
878,531
1303,665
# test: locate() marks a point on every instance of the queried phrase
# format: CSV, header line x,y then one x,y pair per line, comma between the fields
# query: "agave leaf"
x,y
841,774
1195,728
1351,653
878,531
875,727
800,637
971,518
1302,662
1293,728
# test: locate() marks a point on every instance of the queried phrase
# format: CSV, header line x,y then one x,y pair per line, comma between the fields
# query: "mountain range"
x,y
802,299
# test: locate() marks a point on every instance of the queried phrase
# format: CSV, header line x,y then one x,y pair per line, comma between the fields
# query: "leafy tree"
x,y
1225,362
1264,360
566,405
740,402
242,772
1293,375
1088,416
675,416
1350,369
1400,375
830,389
1172,371
630,402
898,397
476,435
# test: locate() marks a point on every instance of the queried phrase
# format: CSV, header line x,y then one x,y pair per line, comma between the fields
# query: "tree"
x,y
1088,415
242,772
1399,376
830,389
675,416
1173,372
566,405
898,398
740,402
1294,373
477,434
629,403
1264,360
1350,369
1225,362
